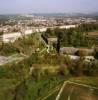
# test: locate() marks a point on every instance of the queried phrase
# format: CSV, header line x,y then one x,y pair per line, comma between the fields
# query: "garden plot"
x,y
76,91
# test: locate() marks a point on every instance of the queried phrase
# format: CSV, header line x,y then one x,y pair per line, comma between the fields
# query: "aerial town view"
x,y
48,50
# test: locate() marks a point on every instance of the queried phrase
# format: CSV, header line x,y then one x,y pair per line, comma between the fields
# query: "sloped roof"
x,y
52,39
68,50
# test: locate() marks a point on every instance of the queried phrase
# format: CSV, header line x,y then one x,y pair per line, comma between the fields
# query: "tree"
x,y
58,33
58,45
96,53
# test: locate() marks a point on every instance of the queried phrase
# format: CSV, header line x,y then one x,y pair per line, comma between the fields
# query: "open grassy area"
x,y
53,96
7,87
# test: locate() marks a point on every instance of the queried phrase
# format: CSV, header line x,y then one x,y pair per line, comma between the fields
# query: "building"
x,y
67,26
28,32
10,37
52,40
68,50
93,35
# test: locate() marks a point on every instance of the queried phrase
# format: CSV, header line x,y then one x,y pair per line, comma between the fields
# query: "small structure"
x,y
68,50
92,35
68,26
77,51
10,37
73,57
89,58
85,52
52,40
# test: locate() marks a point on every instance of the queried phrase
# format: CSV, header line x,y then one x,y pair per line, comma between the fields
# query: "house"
x,y
72,57
92,35
68,26
10,37
89,58
28,32
85,52
52,40
68,50
42,29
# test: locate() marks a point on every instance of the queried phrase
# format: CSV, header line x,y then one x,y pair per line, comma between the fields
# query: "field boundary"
x,y
75,83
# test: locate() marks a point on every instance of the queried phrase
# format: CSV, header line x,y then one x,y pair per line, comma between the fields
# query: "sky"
x,y
48,6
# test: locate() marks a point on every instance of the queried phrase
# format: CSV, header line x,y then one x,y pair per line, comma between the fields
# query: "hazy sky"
x,y
48,6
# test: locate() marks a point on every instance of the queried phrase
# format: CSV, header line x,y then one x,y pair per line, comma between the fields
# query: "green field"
x,y
7,87
53,96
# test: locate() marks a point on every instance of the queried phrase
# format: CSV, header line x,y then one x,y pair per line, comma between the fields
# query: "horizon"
x,y
50,13
48,6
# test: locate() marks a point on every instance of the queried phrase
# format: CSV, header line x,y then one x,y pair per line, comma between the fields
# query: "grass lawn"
x,y
7,87
53,96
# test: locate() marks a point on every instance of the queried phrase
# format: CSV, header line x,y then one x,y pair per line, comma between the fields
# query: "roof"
x,y
87,51
92,34
73,57
73,50
68,50
52,39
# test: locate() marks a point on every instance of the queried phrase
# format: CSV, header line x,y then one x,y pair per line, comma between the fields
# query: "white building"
x,y
89,58
67,26
72,57
27,32
11,37
41,29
